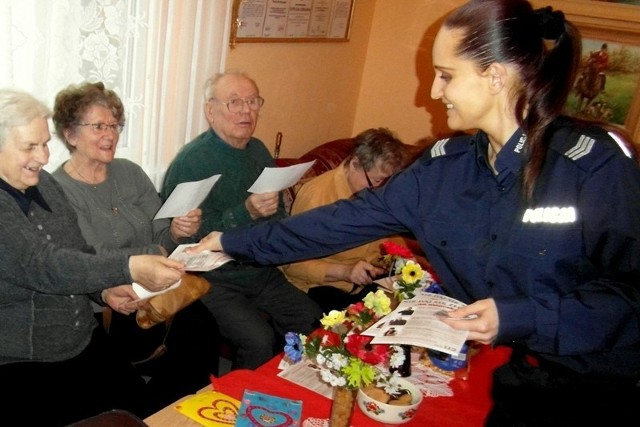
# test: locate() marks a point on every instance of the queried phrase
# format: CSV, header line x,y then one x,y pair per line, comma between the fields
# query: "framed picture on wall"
x,y
634,2
608,84
256,21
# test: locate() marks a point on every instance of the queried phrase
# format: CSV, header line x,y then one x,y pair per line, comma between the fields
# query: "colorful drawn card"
x,y
211,409
264,410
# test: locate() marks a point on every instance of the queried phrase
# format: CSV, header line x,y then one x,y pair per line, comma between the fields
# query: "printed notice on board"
x,y
340,21
251,15
293,19
275,22
299,17
320,17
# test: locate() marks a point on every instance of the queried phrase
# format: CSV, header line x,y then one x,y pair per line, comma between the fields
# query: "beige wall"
x,y
310,89
397,77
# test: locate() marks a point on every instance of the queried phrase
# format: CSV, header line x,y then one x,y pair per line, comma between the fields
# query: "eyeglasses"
x,y
101,127
236,105
378,181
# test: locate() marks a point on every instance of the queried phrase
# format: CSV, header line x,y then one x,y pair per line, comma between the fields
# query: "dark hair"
x,y
379,146
543,47
74,101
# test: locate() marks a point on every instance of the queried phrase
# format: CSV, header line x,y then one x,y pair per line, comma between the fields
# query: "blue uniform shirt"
x,y
563,268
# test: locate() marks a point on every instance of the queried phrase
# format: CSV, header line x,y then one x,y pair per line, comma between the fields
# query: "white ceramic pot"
x,y
391,414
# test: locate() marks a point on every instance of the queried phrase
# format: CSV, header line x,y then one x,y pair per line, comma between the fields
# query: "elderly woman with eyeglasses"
x,y
116,202
343,278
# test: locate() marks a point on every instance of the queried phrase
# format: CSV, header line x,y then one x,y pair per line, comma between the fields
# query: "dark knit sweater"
x,y
224,208
47,274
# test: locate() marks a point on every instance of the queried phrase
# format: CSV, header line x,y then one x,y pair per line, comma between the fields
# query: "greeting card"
x,y
211,409
265,410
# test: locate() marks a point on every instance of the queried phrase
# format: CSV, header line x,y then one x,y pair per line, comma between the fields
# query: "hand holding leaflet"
x,y
186,197
416,322
203,261
277,179
143,293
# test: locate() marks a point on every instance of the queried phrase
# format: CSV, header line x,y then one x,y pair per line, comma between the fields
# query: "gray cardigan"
x,y
118,213
48,274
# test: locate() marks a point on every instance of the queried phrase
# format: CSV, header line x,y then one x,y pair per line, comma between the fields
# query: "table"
x,y
468,406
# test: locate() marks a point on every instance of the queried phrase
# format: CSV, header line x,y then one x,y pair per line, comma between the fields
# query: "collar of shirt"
x,y
24,199
510,157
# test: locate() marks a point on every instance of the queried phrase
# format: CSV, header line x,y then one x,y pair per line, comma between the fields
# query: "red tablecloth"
x,y
468,406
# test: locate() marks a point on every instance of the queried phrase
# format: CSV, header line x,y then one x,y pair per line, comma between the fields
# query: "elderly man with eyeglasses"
x,y
241,293
346,277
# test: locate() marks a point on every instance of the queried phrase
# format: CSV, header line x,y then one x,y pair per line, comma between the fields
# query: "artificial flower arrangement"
x,y
344,357
400,262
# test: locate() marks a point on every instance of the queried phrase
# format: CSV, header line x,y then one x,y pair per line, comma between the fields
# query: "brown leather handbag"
x,y
163,307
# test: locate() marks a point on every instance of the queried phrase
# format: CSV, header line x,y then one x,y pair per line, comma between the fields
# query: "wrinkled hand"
x,y
210,242
155,272
363,272
122,299
186,225
483,328
262,205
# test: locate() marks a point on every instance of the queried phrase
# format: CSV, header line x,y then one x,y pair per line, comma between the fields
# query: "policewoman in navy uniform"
x,y
533,220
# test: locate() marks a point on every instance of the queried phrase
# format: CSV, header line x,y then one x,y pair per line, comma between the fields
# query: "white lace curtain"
x,y
156,54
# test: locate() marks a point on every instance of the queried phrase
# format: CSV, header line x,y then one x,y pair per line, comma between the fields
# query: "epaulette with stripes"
x,y
587,147
449,146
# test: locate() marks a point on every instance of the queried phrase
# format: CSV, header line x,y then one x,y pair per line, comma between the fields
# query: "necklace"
x,y
82,177
114,209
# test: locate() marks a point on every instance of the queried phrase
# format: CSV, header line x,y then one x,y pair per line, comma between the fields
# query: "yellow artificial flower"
x,y
412,272
335,317
379,302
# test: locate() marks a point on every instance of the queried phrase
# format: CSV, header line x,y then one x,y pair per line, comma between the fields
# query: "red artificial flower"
x,y
393,249
359,346
326,338
361,316
356,308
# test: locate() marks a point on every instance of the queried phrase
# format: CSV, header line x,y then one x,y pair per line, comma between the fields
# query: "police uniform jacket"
x,y
563,268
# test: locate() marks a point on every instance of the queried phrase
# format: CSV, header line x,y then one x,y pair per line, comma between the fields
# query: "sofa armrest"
x,y
326,156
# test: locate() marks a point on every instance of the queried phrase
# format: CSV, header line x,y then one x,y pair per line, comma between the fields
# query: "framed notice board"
x,y
291,21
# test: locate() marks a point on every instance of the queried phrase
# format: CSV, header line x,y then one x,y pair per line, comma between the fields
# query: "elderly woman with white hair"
x,y
52,354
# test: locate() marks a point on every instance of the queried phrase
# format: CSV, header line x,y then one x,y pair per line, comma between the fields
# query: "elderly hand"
x,y
122,298
262,205
186,225
155,272
482,328
362,273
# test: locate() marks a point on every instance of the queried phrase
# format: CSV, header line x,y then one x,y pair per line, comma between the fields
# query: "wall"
x,y
310,89
397,77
